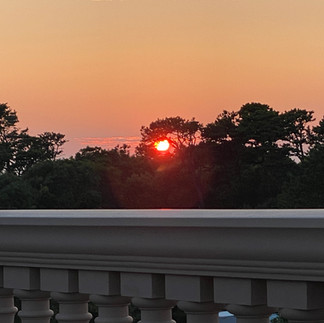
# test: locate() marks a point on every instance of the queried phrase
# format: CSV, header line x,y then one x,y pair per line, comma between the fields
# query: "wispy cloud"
x,y
108,142
75,144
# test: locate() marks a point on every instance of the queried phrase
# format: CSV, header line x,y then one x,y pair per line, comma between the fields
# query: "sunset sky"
x,y
97,71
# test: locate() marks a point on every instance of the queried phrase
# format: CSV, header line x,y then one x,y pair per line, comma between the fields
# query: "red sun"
x,y
162,145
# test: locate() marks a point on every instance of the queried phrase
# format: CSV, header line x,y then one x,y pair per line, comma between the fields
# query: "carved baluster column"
x,y
196,295
26,283
64,285
247,298
299,301
73,308
112,309
250,314
104,288
301,316
155,310
201,312
148,293
7,308
34,306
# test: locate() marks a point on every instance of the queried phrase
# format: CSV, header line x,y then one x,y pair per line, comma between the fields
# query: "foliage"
x,y
8,136
179,132
19,150
318,134
64,184
222,130
297,131
248,157
15,193
306,190
51,143
259,126
255,157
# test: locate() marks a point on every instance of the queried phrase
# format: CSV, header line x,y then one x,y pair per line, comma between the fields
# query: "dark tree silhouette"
x,y
9,134
297,131
179,132
51,144
318,134
19,150
255,157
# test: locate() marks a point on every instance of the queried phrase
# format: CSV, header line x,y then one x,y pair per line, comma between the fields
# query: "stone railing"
x,y
251,263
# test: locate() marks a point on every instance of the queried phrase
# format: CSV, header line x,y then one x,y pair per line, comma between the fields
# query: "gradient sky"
x,y
100,69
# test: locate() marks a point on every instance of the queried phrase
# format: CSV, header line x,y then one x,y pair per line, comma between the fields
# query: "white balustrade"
x,y
251,263
73,308
201,312
250,314
112,309
300,316
35,306
7,308
155,310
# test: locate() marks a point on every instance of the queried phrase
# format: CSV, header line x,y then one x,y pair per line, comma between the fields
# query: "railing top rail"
x,y
300,218
262,244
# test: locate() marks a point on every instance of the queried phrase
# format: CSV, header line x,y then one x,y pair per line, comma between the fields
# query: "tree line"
x,y
255,157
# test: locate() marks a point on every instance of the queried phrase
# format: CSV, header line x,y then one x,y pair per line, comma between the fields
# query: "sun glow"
x,y
162,145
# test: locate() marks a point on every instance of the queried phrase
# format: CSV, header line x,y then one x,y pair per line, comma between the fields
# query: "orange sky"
x,y
97,69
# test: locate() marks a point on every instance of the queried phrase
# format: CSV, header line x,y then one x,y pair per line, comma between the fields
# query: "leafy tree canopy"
x,y
19,150
297,131
179,132
318,134
255,157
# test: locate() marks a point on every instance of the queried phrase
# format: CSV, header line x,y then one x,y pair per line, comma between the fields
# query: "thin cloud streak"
x,y
75,144
108,142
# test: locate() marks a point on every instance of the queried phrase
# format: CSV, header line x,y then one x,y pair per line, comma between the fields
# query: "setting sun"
x,y
162,145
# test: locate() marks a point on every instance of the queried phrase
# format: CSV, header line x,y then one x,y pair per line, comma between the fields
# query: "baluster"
x,y
112,309
7,308
155,310
73,307
250,314
301,316
34,306
299,301
201,312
